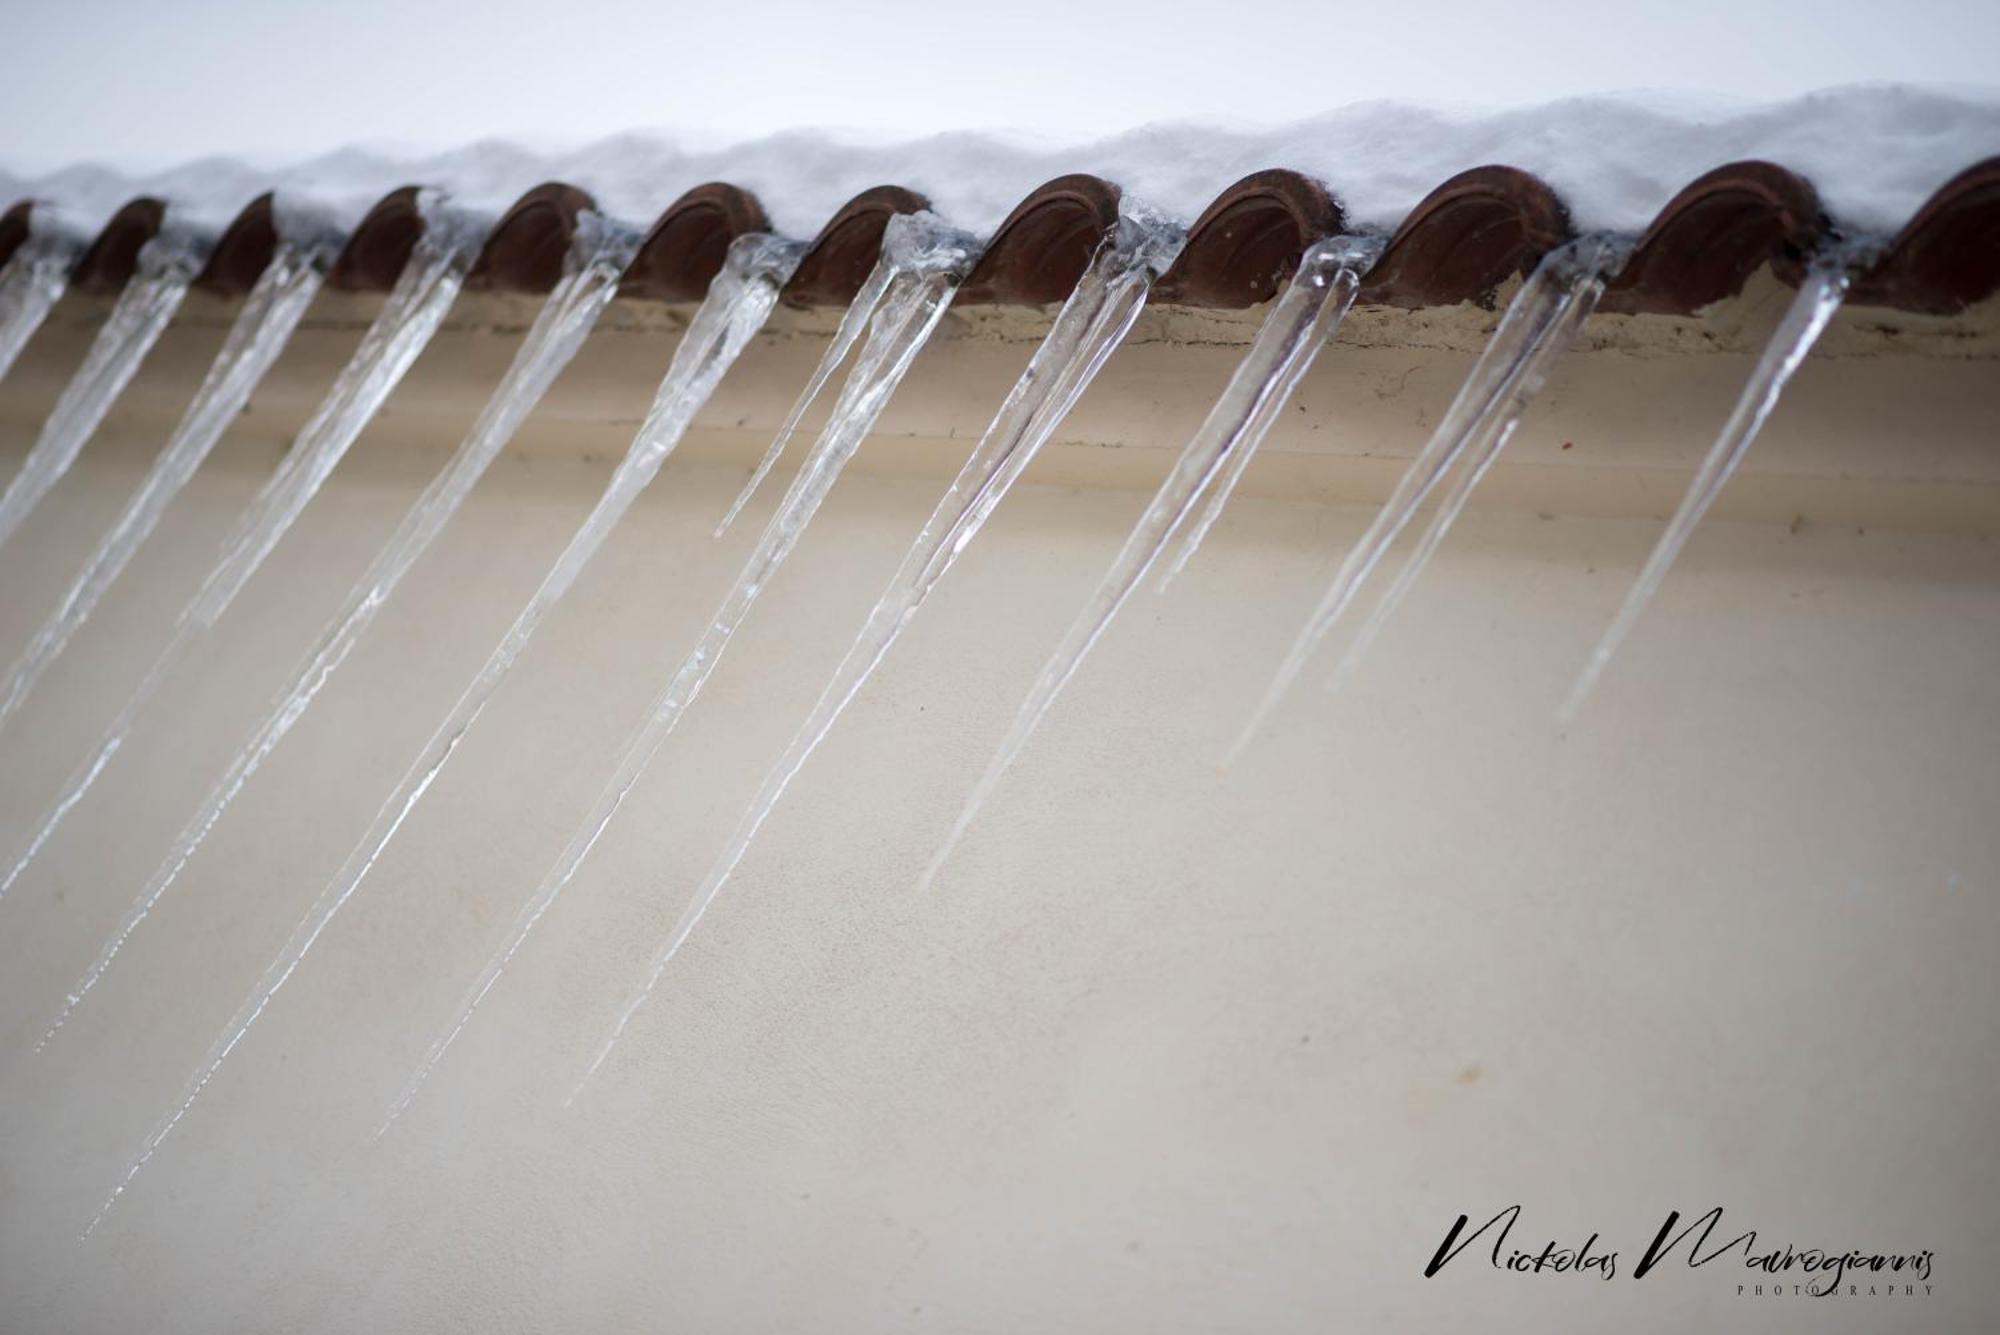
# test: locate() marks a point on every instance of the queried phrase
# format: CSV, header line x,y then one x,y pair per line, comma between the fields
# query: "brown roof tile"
x,y
1249,240
1037,255
14,228
687,246
108,264
1721,228
524,252
1946,257
243,251
837,263
1467,237
380,244
1461,242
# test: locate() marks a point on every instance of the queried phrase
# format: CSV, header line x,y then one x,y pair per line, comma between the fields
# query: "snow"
x,y
1874,151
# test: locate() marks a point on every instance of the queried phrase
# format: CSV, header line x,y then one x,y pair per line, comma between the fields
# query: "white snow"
x,y
1874,151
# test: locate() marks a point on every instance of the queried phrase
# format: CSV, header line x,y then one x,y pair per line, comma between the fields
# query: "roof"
x,y
1463,240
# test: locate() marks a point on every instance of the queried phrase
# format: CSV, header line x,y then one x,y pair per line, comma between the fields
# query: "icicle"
x,y
424,291
1539,316
1090,325
1361,255
1819,296
269,315
931,264
31,283
1304,319
741,298
737,306
597,259
852,321
599,256
1493,432
167,267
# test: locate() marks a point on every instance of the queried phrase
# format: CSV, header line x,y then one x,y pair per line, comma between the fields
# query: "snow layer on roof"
x,y
1875,152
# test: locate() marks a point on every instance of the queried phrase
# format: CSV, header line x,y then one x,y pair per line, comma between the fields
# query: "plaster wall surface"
x,y
1166,1047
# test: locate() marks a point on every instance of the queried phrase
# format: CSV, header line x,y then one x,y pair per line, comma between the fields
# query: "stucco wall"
x,y
1167,1048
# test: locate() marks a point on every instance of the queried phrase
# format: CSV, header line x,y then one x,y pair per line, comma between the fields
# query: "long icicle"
x,y
1554,288
1090,325
423,293
853,321
739,304
1190,531
1495,430
31,283
1303,321
167,266
930,261
597,258
933,264
262,328
1819,297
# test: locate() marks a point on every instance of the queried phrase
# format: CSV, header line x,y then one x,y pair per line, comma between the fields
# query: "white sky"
x,y
148,84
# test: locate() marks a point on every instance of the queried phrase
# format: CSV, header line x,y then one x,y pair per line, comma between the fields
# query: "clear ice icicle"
x,y
1360,255
852,321
933,262
1496,427
260,331
929,261
739,302
1819,296
598,255
1090,325
737,306
31,283
167,267
1567,278
423,293
1306,315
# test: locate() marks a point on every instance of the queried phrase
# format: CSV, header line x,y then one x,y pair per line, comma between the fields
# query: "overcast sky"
x,y
147,84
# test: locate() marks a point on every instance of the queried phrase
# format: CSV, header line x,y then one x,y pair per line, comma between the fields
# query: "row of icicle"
x,y
879,336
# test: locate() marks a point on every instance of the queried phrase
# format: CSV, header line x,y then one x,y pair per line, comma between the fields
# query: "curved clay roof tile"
x,y
1248,242
837,263
685,249
1466,238
1947,257
1041,250
1712,236
244,251
14,228
108,264
380,246
525,250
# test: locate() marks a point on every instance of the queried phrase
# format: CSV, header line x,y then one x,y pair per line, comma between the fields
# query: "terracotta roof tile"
x,y
686,247
1721,228
243,251
837,263
524,251
14,228
1948,256
108,263
1462,241
1248,241
1040,251
1467,237
380,244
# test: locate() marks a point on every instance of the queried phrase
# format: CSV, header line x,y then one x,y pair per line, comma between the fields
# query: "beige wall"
x,y
1166,1048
